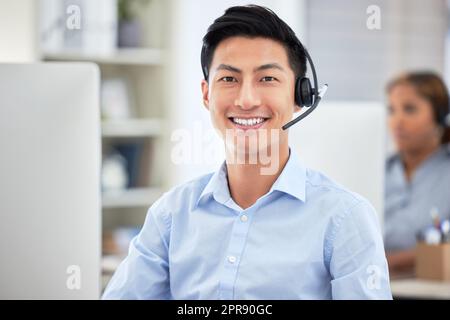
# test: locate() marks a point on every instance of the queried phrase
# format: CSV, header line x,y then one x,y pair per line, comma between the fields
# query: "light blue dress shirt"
x,y
307,238
408,203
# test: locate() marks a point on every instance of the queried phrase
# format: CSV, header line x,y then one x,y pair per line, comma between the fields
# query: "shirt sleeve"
x,y
358,264
144,274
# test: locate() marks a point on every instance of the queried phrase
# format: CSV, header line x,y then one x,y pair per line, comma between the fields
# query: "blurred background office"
x,y
418,175
149,55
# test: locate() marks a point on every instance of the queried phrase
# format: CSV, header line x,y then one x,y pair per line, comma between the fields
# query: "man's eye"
x,y
227,79
267,79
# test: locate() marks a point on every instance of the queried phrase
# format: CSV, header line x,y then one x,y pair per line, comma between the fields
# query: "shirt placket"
x,y
233,255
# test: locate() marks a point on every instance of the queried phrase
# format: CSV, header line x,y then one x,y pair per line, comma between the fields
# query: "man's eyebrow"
x,y
229,68
260,68
269,66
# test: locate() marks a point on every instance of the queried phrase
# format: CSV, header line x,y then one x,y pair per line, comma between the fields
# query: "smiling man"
x,y
263,226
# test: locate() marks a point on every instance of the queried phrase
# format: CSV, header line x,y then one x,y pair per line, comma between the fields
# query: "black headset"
x,y
305,95
444,117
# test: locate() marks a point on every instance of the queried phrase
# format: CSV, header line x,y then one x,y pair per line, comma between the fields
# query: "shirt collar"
x,y
292,181
217,186
442,152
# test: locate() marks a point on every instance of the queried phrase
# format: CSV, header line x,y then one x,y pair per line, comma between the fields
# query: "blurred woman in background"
x,y
418,175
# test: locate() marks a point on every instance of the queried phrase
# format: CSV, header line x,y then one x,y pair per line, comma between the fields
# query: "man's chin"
x,y
251,148
266,155
260,132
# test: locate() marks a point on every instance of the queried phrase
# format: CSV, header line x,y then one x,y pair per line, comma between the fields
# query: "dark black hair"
x,y
253,21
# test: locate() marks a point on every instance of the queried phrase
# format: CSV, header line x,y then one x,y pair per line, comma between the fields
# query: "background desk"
x,y
412,288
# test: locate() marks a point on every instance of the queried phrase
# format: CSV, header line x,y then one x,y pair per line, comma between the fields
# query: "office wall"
x,y
356,61
18,31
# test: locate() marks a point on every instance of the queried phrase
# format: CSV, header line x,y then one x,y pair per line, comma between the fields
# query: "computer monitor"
x,y
50,212
347,142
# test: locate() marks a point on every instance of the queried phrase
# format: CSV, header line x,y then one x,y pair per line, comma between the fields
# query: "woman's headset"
x,y
444,118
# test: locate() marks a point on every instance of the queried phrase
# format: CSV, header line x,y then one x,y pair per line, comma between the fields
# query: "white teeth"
x,y
248,122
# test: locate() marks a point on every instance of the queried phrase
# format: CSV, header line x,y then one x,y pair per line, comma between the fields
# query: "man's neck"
x,y
247,183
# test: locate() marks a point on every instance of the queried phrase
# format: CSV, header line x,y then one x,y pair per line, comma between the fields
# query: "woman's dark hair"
x,y
431,87
253,21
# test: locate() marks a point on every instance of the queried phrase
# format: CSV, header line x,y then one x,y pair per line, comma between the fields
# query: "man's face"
x,y
250,90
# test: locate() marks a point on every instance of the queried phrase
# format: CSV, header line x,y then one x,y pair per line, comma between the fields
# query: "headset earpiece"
x,y
303,92
445,118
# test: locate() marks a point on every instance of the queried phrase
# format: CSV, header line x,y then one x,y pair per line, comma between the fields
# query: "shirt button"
x,y
244,218
231,259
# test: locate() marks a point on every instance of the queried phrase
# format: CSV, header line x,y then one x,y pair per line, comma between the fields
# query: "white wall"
x,y
18,31
357,62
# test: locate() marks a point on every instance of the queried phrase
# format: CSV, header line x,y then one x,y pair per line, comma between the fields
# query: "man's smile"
x,y
245,123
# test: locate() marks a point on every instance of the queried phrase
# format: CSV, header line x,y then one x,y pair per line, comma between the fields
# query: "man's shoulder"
x,y
184,194
322,188
342,206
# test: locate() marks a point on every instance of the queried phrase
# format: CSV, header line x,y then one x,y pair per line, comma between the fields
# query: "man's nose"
x,y
248,97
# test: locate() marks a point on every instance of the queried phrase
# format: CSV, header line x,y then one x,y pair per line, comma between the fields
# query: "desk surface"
x,y
420,289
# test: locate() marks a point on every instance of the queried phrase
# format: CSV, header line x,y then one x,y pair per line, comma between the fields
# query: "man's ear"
x,y
205,93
